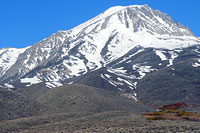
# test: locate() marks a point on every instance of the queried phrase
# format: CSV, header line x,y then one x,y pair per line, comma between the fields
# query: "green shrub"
x,y
154,118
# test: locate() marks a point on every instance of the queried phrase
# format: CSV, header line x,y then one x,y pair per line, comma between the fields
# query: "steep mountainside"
x,y
8,57
151,79
179,82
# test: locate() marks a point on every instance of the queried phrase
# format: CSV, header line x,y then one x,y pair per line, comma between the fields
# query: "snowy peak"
x,y
8,56
109,12
155,28
136,13
116,9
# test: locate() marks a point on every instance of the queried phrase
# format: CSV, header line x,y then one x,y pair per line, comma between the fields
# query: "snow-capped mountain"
x,y
127,42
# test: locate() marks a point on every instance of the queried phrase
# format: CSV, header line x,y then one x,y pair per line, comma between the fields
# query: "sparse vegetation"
x,y
113,121
172,112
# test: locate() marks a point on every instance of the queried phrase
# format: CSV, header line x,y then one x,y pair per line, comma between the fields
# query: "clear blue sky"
x,y
25,22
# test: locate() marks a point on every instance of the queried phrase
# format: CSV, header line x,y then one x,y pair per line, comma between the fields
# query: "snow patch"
x,y
10,90
126,58
196,64
127,82
58,84
50,85
32,81
112,82
161,55
121,73
70,83
135,96
117,70
108,76
53,84
173,56
143,69
75,66
9,85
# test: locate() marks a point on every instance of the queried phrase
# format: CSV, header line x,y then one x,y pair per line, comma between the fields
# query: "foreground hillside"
x,y
74,98
81,98
16,105
80,108
100,122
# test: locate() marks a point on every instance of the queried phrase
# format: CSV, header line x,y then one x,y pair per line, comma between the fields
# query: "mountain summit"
x,y
117,48
145,27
